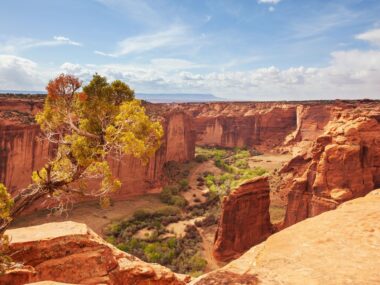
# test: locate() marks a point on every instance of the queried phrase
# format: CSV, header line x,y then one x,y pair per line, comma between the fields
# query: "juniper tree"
x,y
87,127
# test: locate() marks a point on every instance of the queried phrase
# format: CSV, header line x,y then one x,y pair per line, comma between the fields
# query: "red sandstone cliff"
x,y
245,219
70,252
259,125
343,164
21,150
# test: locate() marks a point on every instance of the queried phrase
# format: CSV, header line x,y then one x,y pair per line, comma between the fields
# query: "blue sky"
x,y
247,49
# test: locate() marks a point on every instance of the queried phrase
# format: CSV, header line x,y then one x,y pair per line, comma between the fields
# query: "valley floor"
x,y
97,218
92,214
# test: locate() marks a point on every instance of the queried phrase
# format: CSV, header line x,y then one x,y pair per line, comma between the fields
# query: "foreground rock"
x,y
343,164
70,252
245,219
336,247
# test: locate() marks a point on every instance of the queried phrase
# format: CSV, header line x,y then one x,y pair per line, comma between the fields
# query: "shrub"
x,y
197,263
168,211
242,163
178,201
142,214
201,158
183,184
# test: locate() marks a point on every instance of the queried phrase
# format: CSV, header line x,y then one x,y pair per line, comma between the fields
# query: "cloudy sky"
x,y
236,49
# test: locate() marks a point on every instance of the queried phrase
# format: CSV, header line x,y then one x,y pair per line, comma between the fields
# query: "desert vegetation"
x,y
149,235
234,166
158,244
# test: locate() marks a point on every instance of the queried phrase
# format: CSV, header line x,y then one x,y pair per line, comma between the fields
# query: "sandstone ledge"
x,y
72,253
341,246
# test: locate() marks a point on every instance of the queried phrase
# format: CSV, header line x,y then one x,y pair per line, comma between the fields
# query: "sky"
x,y
234,49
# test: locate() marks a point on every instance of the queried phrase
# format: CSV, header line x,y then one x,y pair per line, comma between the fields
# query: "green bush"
x,y
241,163
183,184
197,263
201,158
167,193
178,201
168,211
142,214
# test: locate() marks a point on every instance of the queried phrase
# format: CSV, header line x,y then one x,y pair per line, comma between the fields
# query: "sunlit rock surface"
x,y
337,247
70,252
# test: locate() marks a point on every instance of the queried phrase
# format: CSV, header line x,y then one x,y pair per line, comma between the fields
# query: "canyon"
x,y
335,147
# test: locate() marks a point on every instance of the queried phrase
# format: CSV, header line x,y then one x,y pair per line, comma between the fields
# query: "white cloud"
x,y
17,73
350,74
19,44
64,40
372,36
173,37
271,9
272,2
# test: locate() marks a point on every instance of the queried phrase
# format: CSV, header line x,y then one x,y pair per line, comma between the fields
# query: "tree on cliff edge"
x,y
86,128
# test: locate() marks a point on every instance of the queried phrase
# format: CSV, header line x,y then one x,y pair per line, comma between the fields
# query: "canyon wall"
x,y
22,150
72,253
342,164
259,125
245,219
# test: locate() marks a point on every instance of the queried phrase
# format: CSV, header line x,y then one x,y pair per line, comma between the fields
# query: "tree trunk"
x,y
21,202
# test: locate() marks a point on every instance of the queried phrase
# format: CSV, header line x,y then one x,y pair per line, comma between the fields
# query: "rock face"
x,y
70,252
343,164
21,150
260,125
245,219
336,247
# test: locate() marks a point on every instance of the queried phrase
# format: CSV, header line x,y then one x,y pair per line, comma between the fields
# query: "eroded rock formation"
x,y
245,219
343,164
72,253
336,247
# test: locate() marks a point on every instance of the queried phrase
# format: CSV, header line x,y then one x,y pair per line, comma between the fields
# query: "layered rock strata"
x,y
336,247
70,252
245,219
343,164
22,150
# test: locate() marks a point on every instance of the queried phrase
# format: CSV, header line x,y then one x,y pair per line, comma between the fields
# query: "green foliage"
x,y
183,184
169,195
201,158
211,153
6,204
180,254
142,214
235,168
88,126
5,260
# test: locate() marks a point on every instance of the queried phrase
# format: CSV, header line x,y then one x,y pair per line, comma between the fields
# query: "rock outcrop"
x,y
343,164
336,247
245,219
70,252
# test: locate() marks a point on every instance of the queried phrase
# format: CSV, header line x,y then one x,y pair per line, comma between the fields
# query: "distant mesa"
x,y
151,97
177,97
